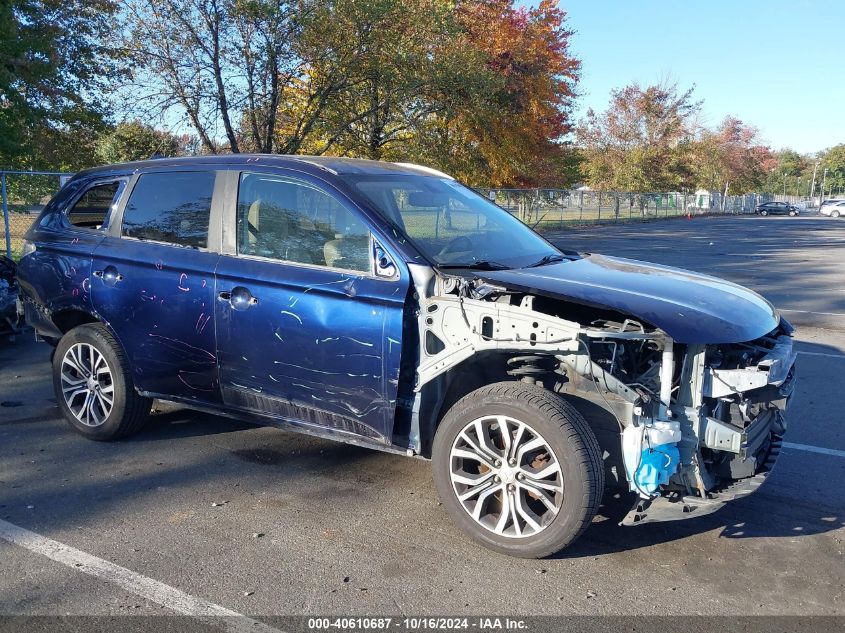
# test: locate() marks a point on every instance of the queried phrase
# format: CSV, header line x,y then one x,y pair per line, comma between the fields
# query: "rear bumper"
x,y
674,508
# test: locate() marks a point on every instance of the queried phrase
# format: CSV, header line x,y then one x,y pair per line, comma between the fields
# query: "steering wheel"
x,y
456,245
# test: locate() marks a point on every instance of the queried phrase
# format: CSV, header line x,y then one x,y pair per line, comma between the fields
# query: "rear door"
x,y
58,273
307,330
153,282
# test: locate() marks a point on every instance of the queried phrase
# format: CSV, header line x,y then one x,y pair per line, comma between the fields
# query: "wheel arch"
x,y
440,394
68,318
72,317
602,413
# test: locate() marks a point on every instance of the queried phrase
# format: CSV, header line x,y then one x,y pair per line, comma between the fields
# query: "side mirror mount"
x,y
383,262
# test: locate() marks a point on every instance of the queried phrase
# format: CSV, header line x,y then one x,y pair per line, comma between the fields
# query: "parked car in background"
x,y
389,306
777,208
835,208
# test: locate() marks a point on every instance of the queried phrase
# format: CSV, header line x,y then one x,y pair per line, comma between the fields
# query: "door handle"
x,y
109,275
239,298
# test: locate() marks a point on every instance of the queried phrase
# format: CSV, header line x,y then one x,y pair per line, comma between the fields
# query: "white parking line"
x,y
814,449
822,354
839,314
152,590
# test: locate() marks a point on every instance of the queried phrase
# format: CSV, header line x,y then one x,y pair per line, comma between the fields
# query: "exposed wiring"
x,y
595,384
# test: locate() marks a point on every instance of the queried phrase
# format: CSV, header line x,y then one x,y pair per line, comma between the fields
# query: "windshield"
x,y
451,225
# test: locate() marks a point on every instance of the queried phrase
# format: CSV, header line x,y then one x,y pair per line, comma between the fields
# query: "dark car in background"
x,y
777,208
389,306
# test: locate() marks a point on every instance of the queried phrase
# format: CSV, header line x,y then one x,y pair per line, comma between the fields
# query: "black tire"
x,y
792,214
129,410
834,214
764,213
567,434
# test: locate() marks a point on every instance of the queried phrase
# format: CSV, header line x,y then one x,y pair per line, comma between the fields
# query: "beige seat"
x,y
273,233
349,251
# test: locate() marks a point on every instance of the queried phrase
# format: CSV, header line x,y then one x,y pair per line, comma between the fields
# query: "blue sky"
x,y
773,64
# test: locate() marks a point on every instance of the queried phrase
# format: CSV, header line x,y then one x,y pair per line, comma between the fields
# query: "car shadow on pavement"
x,y
765,516
168,422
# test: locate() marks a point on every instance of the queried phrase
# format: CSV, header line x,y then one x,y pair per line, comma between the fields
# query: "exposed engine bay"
x,y
695,425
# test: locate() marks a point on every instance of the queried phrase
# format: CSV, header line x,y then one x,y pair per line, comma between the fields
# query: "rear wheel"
x,y
834,214
518,469
94,387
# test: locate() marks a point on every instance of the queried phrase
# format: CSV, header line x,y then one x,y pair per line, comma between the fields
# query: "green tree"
x,y
134,140
53,69
833,160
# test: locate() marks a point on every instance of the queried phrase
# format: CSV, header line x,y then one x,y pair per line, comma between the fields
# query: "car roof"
x,y
314,164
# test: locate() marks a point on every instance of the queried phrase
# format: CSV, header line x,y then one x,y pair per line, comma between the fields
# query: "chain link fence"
x,y
547,209
24,194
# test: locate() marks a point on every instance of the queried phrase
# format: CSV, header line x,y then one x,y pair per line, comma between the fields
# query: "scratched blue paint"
x,y
320,348
58,274
162,314
315,340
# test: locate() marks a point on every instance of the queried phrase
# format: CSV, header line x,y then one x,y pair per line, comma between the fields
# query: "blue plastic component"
x,y
657,464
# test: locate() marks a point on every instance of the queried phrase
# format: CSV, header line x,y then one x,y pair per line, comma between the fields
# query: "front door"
x,y
306,331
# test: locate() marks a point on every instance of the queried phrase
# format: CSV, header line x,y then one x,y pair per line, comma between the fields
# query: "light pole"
x,y
824,180
784,184
813,187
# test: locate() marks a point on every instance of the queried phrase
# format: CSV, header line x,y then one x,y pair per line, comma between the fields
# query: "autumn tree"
x,y
642,141
395,63
480,87
511,131
731,158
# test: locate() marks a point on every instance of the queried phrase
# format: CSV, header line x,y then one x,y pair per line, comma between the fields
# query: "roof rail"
x,y
428,170
314,163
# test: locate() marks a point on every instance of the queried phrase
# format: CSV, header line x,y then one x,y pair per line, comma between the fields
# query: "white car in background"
x,y
833,208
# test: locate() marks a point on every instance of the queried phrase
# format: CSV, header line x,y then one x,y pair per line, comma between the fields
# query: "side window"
x,y
171,207
293,221
94,206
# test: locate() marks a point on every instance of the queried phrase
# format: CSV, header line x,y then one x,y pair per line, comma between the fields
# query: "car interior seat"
x,y
350,248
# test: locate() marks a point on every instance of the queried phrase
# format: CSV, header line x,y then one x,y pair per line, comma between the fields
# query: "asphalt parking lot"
x,y
263,522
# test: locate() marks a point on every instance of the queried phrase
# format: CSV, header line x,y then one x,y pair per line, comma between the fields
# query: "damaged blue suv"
x,y
389,306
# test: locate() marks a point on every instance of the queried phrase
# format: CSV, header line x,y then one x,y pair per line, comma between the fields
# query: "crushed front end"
x,y
728,403
686,425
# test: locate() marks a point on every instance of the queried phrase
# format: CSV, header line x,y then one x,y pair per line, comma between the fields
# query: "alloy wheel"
x,y
506,476
87,384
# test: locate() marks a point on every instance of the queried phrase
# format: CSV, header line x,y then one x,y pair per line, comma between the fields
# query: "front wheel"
x,y
518,469
764,213
834,214
792,214
94,387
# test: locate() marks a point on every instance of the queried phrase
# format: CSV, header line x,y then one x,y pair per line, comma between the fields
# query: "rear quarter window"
x,y
171,207
95,205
